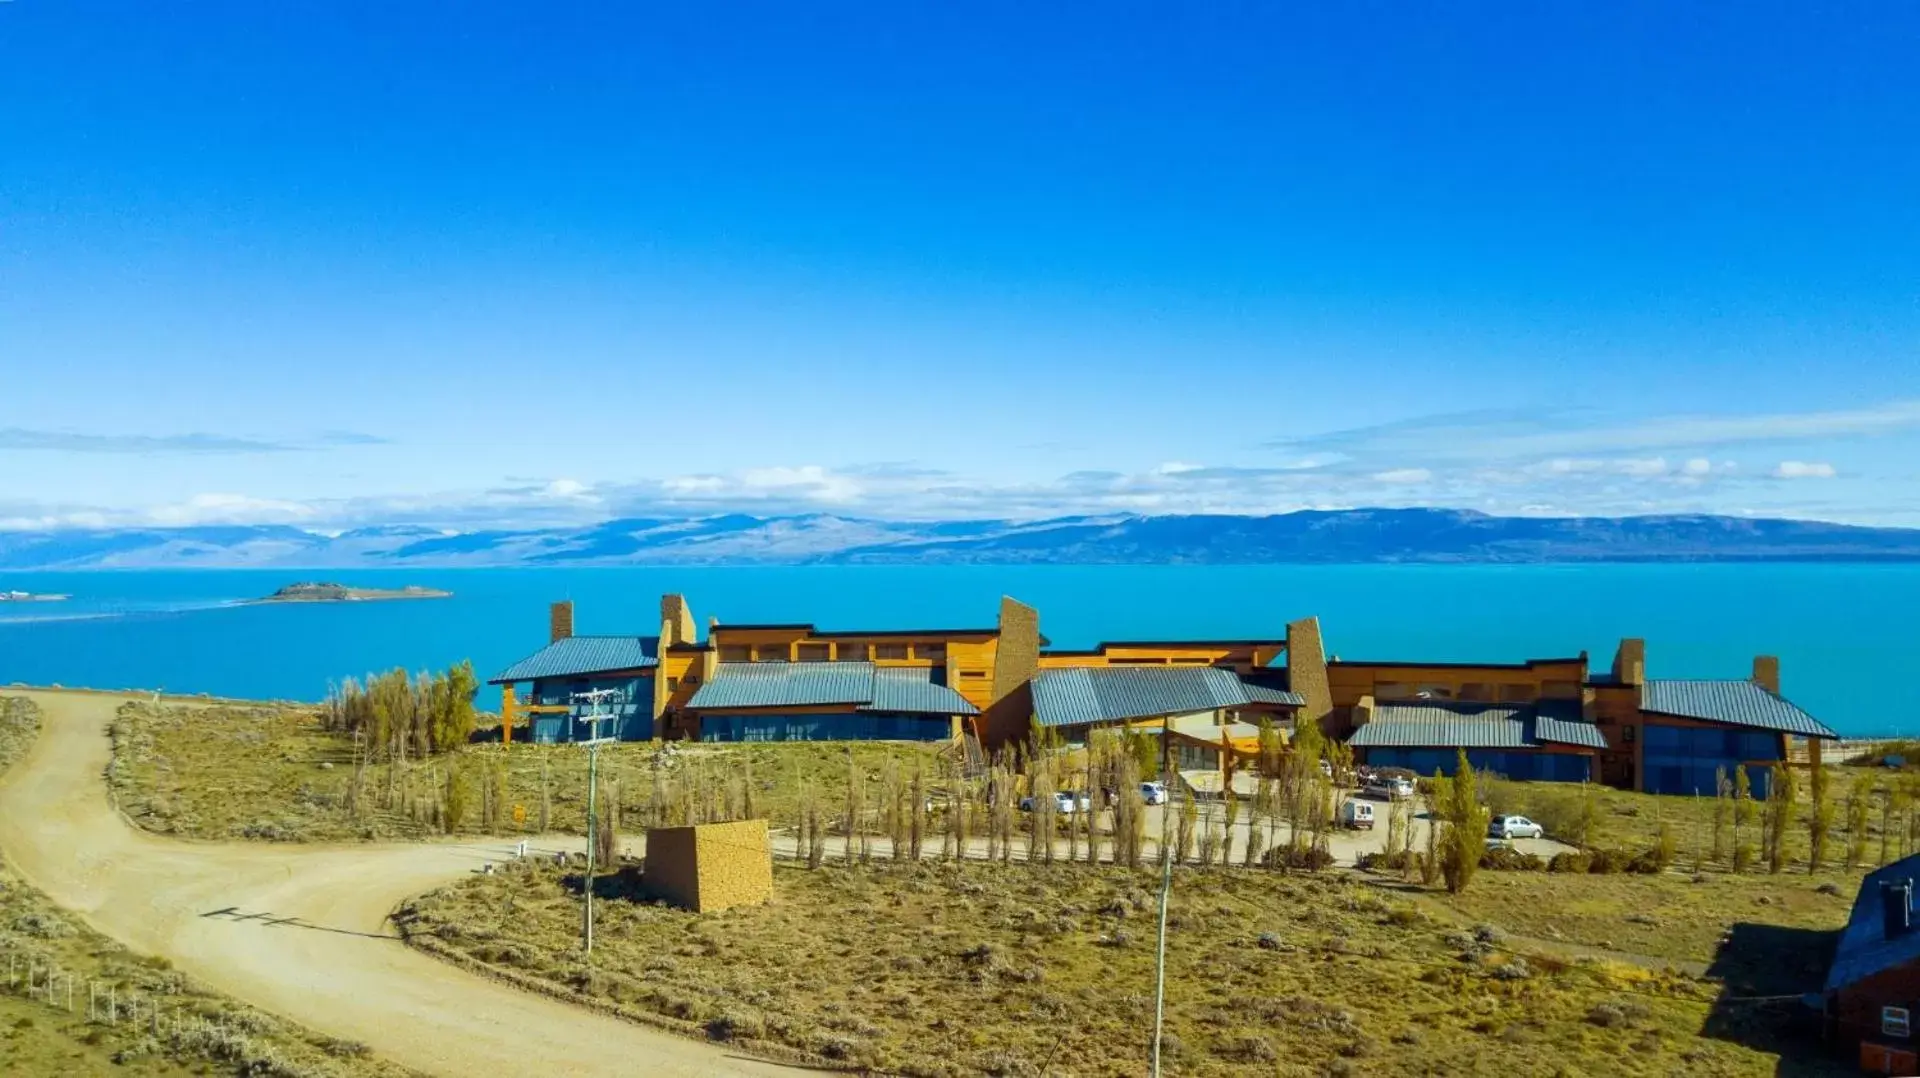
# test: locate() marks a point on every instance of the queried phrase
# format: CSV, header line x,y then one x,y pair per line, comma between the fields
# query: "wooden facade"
x,y
992,670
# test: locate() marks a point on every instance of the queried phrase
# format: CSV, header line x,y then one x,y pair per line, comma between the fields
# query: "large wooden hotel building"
x,y
1541,719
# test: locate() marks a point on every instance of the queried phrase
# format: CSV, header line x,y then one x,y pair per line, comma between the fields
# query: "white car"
x,y
1511,827
1388,788
1153,793
1064,803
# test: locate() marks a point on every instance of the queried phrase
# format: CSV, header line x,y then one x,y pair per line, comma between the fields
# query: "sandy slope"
x,y
336,968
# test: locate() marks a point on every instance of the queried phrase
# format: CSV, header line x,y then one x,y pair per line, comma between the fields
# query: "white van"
x,y
1356,815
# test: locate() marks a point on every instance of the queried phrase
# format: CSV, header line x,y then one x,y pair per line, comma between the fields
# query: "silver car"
x,y
1511,827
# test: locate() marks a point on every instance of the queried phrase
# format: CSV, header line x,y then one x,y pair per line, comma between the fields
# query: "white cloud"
x,y
1802,469
1538,434
55,521
66,441
230,509
569,490
1557,486
810,481
1629,466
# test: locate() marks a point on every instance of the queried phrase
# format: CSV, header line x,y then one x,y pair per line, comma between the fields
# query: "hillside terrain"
x,y
1351,536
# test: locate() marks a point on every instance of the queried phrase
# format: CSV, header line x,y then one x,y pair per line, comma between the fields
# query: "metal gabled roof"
x,y
785,685
912,689
862,686
1066,698
1864,949
1455,725
1075,696
1733,702
575,656
1446,726
1559,721
1267,689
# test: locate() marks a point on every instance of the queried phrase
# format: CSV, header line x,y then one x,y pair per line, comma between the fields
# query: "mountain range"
x,y
1350,535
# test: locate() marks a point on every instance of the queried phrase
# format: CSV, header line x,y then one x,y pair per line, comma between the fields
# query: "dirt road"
x,y
301,930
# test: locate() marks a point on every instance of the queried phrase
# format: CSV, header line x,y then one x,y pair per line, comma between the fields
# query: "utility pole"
x,y
1160,959
594,701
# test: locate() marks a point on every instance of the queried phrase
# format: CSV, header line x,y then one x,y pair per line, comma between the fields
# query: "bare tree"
x,y
917,828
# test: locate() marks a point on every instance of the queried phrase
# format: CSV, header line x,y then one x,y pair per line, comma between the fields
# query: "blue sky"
x,y
478,264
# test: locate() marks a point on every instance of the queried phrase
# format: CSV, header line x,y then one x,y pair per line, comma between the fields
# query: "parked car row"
x,y
1068,803
1386,784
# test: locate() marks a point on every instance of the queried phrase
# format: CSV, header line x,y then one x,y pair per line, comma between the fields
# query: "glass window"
x,y
813,653
890,651
1687,759
735,653
770,653
936,652
1476,690
1895,1022
851,653
1516,694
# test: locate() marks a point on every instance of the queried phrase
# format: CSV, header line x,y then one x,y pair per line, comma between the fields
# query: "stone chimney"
x,y
676,620
1363,711
560,621
1630,662
1009,711
1766,672
1307,670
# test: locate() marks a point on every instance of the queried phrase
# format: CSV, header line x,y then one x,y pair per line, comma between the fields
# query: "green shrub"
x,y
1508,859
1396,861
1577,861
1610,862
1311,858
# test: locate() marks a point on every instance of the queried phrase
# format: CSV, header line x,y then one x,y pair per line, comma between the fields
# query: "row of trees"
x,y
397,715
1011,807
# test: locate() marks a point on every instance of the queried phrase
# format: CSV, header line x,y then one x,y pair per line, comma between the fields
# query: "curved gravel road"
x,y
302,930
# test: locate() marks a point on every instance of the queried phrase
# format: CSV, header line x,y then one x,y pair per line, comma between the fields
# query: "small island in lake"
x,y
340,593
29,597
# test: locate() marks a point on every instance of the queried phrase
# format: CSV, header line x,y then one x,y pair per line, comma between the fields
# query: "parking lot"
x,y
1346,845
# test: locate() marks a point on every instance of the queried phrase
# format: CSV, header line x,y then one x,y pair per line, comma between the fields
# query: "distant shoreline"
x,y
340,593
29,597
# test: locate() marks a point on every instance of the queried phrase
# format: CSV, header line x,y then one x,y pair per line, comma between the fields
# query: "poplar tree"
x,y
1742,817
1430,862
852,808
1466,822
606,831
916,833
1722,793
453,809
1820,819
1886,818
1233,817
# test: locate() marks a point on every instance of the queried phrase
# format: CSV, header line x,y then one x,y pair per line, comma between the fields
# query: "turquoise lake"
x,y
1847,635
